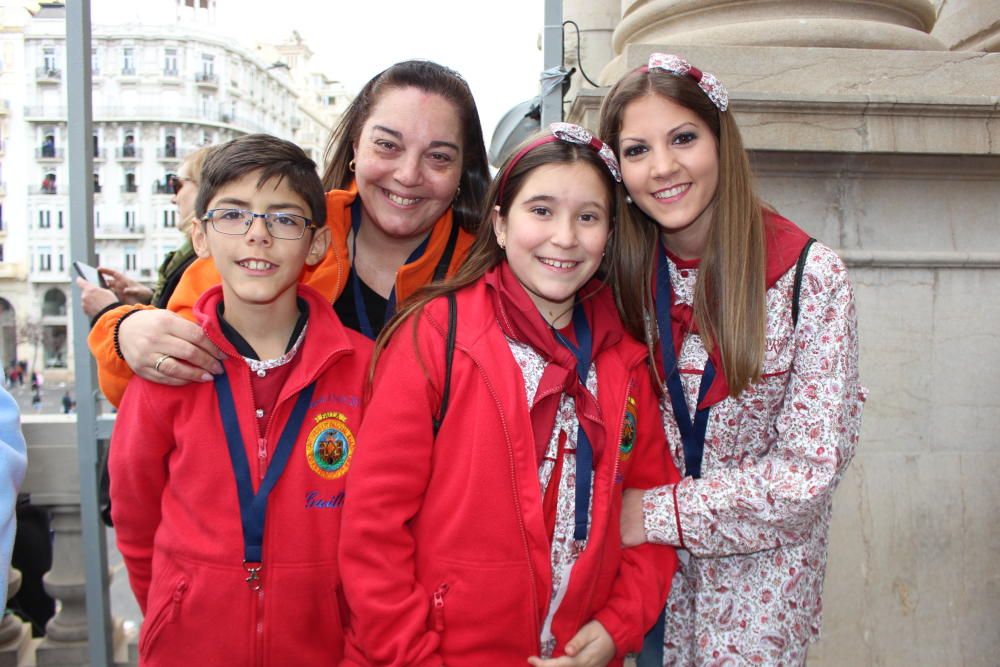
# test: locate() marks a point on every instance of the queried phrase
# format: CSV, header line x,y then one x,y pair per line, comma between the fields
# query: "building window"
x,y
130,184
59,219
97,145
45,258
1,217
1,253
44,219
128,60
49,146
170,146
95,64
49,184
49,59
97,183
128,147
130,260
170,62
62,262
170,217
130,219
207,64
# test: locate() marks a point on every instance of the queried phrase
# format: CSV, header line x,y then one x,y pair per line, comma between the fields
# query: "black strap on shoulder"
x,y
797,288
441,270
449,355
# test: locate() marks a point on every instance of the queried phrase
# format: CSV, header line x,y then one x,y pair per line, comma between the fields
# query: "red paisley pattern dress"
x,y
749,589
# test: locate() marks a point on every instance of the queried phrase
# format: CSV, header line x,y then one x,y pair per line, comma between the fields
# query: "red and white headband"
x,y
571,134
677,66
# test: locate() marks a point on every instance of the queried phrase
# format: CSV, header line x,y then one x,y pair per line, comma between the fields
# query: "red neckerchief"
x,y
785,242
520,320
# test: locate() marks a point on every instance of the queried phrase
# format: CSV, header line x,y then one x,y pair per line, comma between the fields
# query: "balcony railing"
x,y
128,71
130,189
48,74
164,153
50,153
162,189
42,190
206,78
128,153
53,482
120,230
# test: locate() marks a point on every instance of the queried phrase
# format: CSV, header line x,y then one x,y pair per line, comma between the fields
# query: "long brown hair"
x,y
485,253
430,78
730,294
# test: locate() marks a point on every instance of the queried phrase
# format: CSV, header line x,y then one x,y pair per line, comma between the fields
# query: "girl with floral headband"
x,y
753,335
486,533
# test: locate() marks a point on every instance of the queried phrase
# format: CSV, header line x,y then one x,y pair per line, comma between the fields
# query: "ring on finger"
x,y
160,360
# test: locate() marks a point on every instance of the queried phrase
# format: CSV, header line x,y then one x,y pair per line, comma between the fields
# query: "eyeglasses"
x,y
177,182
237,222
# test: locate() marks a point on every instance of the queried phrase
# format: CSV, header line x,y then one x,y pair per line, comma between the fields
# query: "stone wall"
x,y
885,145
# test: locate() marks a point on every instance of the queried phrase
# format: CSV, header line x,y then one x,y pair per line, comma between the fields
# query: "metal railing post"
x,y
81,233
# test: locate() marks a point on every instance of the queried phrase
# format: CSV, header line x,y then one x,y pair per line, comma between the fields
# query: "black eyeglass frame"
x,y
250,216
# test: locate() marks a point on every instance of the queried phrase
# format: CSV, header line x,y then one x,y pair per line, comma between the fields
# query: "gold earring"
x,y
628,198
501,241
458,192
350,166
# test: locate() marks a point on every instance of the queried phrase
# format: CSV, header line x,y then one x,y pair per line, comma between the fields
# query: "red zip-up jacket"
x,y
445,553
177,517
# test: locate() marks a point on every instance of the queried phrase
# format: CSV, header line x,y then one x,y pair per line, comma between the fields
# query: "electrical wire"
x,y
578,59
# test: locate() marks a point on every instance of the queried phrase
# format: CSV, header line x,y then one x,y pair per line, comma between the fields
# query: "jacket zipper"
x,y
536,632
611,494
165,617
438,600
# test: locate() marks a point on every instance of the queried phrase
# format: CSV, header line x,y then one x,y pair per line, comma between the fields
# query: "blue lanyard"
x,y
253,507
584,450
692,435
359,301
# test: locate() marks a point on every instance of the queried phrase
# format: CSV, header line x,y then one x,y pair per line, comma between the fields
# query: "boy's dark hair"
x,y
274,157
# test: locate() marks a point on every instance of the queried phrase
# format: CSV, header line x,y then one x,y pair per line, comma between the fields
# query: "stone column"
x,y
65,640
887,24
597,20
968,25
15,634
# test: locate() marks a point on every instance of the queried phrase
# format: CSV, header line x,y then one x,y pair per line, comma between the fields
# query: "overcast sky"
x,y
494,45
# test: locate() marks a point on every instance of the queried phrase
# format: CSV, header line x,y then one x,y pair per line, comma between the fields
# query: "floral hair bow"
x,y
677,66
571,134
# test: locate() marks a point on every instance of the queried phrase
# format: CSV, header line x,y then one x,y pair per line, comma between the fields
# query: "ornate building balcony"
x,y
48,74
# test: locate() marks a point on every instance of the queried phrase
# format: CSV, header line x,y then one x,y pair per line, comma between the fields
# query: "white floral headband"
x,y
572,134
677,66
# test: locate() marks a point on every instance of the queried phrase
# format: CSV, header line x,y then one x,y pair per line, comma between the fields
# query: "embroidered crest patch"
x,y
628,430
330,446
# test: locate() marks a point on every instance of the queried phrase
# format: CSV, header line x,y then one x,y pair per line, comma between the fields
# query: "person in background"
x,y
406,174
754,337
13,465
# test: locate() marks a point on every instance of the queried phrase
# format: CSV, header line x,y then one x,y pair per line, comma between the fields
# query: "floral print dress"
x,y
754,526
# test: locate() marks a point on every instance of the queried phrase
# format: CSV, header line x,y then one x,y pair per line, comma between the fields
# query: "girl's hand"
x,y
127,290
592,646
149,335
94,298
633,526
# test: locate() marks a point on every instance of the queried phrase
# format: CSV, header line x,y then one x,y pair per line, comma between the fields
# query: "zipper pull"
x,y
438,599
262,448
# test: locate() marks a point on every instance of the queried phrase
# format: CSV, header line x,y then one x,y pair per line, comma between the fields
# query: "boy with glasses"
x,y
227,495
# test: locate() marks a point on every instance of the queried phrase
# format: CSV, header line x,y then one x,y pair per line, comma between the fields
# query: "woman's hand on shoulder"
x,y
161,346
592,646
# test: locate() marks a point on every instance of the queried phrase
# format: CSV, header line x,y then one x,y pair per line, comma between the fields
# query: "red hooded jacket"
x,y
177,518
445,553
